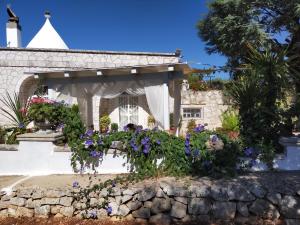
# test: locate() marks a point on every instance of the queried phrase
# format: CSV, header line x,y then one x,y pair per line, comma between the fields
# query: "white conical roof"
x,y
47,37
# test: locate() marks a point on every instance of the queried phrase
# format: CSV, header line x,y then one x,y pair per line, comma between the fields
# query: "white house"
x,y
129,86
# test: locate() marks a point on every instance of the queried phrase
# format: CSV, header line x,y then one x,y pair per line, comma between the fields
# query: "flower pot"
x,y
44,125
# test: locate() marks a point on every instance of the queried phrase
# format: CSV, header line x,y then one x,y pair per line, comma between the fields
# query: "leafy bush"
x,y
155,153
259,94
114,127
230,120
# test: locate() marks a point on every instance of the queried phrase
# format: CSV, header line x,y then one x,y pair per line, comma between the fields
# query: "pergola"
x,y
88,86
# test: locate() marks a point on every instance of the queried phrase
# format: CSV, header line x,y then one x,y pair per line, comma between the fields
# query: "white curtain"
x,y
112,87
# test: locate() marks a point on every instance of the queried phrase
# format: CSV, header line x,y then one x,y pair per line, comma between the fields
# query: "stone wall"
x,y
17,65
164,200
212,102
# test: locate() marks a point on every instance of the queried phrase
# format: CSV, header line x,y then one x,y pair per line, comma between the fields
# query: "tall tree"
x,y
232,24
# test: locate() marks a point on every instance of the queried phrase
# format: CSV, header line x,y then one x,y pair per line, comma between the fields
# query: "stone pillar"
x,y
166,104
96,112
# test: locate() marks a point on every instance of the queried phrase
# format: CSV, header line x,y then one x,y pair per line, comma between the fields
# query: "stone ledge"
x,y
5,147
41,137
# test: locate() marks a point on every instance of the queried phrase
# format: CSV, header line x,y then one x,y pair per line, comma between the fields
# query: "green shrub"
x,y
2,135
114,127
230,120
198,154
191,126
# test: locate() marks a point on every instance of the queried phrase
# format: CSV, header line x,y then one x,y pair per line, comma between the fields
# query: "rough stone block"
x,y
242,209
264,209
289,207
224,210
197,206
18,201
143,213
67,211
160,205
24,212
147,193
134,205
178,210
160,219
42,211
66,201
50,201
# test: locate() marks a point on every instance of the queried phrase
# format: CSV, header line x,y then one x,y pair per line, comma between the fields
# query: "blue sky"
x,y
119,25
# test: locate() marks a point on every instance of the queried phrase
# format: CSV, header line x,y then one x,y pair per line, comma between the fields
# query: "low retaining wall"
x,y
164,201
43,158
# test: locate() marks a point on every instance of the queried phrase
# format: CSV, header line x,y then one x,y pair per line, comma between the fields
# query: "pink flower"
x,y
23,111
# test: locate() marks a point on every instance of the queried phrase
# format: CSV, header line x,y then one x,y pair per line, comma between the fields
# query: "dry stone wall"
x,y
164,201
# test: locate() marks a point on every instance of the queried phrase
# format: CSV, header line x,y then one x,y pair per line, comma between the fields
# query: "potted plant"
x,y
42,111
104,123
151,121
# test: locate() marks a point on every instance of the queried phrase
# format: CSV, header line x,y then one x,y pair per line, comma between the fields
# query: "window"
x,y
193,113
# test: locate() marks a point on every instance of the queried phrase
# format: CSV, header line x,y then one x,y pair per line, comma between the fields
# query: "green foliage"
x,y
230,120
42,112
14,109
191,125
259,94
114,127
156,153
2,135
104,122
230,25
73,126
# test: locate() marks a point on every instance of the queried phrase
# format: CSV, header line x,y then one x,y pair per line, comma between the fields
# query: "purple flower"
x,y
188,136
125,128
100,142
214,138
21,125
199,128
93,214
196,153
113,183
89,133
187,143
145,140
75,184
81,136
252,163
109,210
249,151
96,154
155,129
146,149
158,142
89,142
60,126
187,151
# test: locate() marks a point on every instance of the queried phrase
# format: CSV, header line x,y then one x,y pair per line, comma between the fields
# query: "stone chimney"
x,y
13,30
